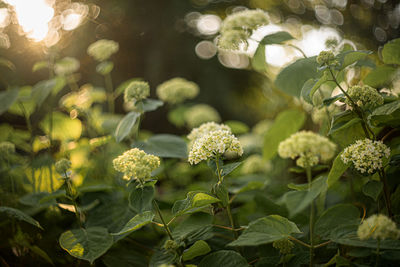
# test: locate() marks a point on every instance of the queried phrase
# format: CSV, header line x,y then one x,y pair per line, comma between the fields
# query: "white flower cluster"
x,y
364,96
62,166
84,98
136,164
212,144
136,91
366,155
177,90
102,49
65,66
238,27
309,148
378,227
206,128
199,114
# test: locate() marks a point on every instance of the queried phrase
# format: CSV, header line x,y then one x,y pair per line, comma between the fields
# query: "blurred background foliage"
x,y
163,39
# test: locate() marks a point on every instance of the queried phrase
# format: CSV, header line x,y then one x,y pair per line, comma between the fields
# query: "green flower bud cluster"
x,y
199,114
212,144
170,245
309,148
136,91
102,49
136,164
177,90
7,148
238,27
327,58
67,65
378,226
255,164
366,155
364,96
62,166
284,246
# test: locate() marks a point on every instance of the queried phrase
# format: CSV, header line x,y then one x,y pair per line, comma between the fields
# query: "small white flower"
x,y
378,227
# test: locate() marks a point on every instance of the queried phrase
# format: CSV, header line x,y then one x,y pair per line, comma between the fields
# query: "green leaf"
x,y
86,244
140,199
151,104
276,38
199,248
24,99
195,201
258,61
7,98
164,145
380,76
40,65
333,99
391,52
386,115
372,189
225,258
125,125
19,215
221,192
136,222
292,78
104,68
286,123
349,57
237,127
297,201
335,218
63,127
337,170
346,128
266,230
41,253
195,225
42,89
228,168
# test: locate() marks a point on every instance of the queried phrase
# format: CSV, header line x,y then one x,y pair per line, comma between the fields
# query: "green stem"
x,y
110,92
232,222
386,193
162,219
309,179
71,195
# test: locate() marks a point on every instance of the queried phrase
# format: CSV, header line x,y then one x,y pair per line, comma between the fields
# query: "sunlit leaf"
x,y
199,248
86,244
125,125
63,127
276,38
391,52
164,145
380,76
195,201
337,170
7,98
258,61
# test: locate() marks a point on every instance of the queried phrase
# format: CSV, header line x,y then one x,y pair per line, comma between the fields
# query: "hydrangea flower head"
x,y
284,246
136,91
309,148
366,155
177,90
378,226
66,66
326,58
62,166
213,144
136,164
103,49
364,96
245,20
237,28
255,164
206,128
199,114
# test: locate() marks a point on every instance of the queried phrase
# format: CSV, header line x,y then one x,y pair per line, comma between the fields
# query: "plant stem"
x,y
386,193
110,92
309,179
299,241
71,195
232,222
162,219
